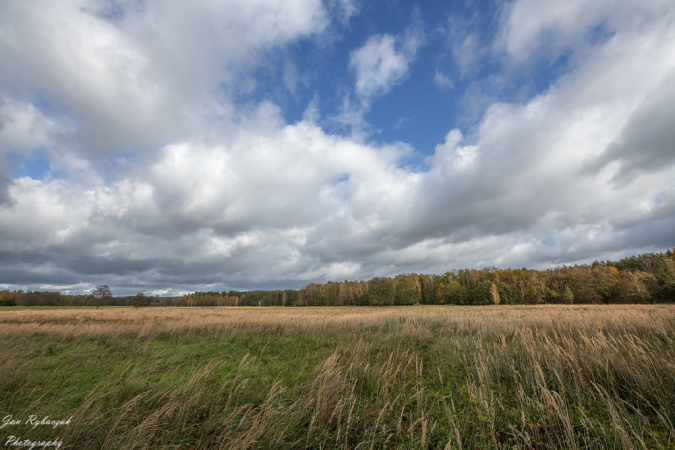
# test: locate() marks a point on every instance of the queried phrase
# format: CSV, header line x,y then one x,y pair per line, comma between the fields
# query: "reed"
x,y
529,377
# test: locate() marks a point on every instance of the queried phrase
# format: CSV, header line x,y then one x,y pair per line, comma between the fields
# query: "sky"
x,y
169,146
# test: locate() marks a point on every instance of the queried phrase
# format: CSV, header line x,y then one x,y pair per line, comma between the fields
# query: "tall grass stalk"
x,y
545,377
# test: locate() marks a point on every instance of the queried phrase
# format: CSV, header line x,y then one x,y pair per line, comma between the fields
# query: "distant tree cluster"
x,y
101,296
43,298
211,299
637,279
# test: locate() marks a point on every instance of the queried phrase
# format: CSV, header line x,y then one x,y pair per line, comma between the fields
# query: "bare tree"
x,y
101,294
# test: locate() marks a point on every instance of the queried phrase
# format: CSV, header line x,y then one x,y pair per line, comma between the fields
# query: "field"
x,y
523,377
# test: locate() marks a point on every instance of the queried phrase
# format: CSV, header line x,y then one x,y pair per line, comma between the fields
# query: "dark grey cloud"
x,y
647,143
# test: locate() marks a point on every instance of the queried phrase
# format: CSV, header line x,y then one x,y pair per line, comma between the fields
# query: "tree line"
x,y
649,277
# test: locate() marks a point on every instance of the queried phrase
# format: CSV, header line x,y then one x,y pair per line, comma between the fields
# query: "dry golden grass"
x,y
413,377
475,319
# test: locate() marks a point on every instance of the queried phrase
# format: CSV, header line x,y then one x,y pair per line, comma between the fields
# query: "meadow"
x,y
437,377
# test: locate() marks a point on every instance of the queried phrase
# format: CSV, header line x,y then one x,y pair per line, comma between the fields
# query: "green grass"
x,y
412,378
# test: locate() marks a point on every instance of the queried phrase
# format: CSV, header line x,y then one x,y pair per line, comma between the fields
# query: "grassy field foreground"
x,y
411,377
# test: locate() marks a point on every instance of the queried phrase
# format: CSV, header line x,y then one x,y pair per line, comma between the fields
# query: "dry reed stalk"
x,y
577,368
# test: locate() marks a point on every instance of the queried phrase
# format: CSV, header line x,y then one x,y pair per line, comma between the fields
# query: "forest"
x,y
647,278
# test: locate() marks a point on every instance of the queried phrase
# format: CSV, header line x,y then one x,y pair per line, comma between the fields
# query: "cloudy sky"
x,y
167,146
